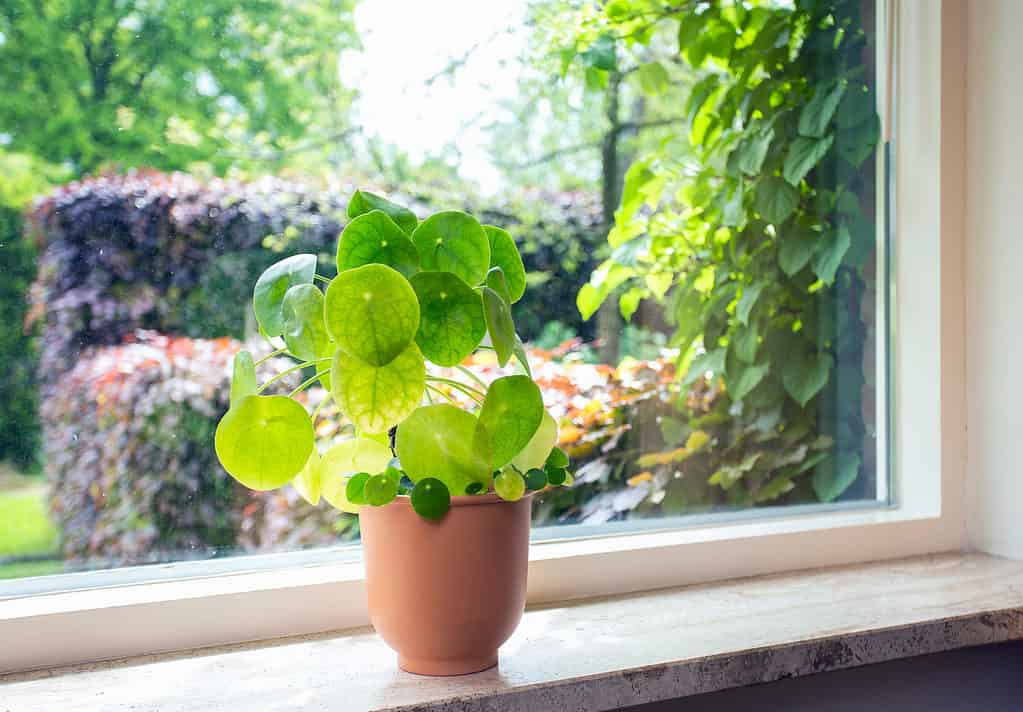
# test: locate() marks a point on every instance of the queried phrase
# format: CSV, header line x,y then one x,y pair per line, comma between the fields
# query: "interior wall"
x,y
994,275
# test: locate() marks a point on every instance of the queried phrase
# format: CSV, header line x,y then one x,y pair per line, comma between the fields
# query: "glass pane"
x,y
697,191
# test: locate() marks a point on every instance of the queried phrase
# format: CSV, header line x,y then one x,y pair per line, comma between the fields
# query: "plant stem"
x,y
321,279
446,395
467,390
472,375
328,396
284,373
308,382
270,355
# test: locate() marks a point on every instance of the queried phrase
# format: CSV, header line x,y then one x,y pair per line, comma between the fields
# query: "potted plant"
x,y
440,468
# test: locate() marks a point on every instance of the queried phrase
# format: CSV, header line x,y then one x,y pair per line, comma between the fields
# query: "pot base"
x,y
437,668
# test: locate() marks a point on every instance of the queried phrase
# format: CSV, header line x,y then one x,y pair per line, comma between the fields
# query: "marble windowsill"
x,y
589,655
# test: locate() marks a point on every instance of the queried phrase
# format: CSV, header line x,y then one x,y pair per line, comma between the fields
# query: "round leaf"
x,y
499,323
539,447
380,489
345,459
374,238
511,414
264,441
273,284
363,202
451,323
430,498
372,313
453,241
304,331
443,441
307,482
375,398
504,254
243,378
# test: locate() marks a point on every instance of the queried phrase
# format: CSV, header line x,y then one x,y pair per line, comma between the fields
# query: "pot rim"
x,y
466,500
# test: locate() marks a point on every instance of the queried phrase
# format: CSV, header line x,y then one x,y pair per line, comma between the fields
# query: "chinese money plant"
x,y
409,296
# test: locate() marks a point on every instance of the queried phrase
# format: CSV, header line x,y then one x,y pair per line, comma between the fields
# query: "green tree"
x,y
763,233
166,84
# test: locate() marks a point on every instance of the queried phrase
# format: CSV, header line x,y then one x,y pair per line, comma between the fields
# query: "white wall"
x,y
994,275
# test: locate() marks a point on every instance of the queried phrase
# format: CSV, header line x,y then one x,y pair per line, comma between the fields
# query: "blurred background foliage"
x,y
691,185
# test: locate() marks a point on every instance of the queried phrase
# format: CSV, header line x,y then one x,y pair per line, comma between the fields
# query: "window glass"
x,y
693,187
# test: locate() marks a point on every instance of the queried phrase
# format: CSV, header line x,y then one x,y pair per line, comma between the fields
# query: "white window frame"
x,y
927,307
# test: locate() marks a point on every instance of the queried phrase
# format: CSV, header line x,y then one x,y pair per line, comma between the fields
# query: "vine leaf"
x,y
754,150
374,237
803,377
750,294
804,154
273,284
830,253
742,380
510,416
796,247
376,398
818,112
264,441
453,241
363,202
372,313
776,199
712,361
834,475
451,321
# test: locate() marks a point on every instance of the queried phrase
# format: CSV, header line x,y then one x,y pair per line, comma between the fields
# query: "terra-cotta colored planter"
x,y
446,594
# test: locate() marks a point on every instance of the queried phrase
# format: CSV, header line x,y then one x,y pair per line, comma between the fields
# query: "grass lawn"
x,y
25,527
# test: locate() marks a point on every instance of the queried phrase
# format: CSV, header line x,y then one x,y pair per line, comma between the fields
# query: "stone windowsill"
x,y
589,655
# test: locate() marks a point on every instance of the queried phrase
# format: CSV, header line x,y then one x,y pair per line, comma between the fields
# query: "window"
x,y
702,196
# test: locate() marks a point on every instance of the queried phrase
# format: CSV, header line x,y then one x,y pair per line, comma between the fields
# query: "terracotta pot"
x,y
446,594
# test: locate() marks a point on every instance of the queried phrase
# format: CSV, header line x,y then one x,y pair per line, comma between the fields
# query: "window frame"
x,y
111,616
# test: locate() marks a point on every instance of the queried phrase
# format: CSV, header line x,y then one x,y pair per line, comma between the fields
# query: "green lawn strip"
x,y
25,527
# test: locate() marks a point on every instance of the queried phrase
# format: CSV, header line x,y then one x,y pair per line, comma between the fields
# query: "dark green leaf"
x,y
495,280
746,342
857,107
830,253
273,284
753,150
804,154
804,375
453,241
363,202
744,379
856,145
818,112
601,54
504,254
451,322
712,361
776,199
750,294
796,247
834,476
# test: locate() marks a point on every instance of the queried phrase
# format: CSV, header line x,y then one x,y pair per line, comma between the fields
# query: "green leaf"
x,y
304,330
243,378
264,441
775,199
857,144
601,54
804,154
834,476
374,237
818,112
445,442
750,294
628,303
745,379
347,458
273,284
363,202
653,78
804,376
499,324
795,248
495,280
504,254
309,481
511,414
453,241
753,151
376,398
522,357
372,313
539,447
746,342
712,361
856,108
830,253
451,322
604,280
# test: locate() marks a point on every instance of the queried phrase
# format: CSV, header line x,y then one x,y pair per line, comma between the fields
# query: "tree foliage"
x,y
171,83
760,243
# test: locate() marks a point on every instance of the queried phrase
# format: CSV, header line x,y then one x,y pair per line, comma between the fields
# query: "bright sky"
x,y
405,44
